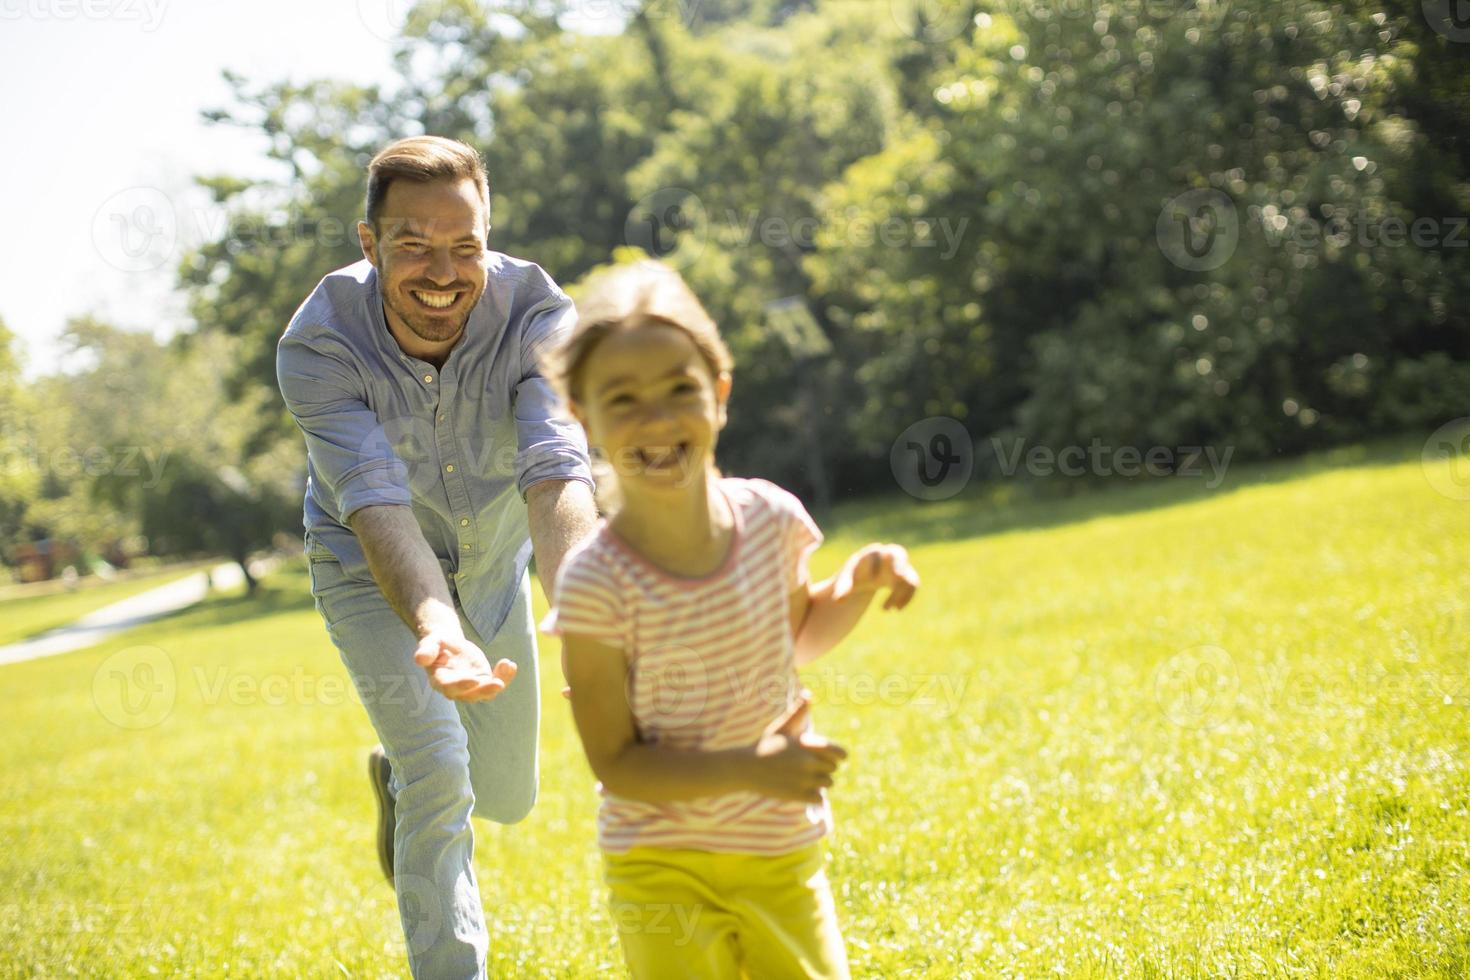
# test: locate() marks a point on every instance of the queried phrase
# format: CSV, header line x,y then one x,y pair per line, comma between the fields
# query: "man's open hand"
x,y
459,670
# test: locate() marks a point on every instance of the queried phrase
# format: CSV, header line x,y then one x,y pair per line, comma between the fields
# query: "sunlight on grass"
x,y
1222,737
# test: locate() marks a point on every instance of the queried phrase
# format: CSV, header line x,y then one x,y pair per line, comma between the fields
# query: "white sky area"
x,y
99,111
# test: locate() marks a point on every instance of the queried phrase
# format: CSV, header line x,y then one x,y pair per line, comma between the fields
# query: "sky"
x,y
99,110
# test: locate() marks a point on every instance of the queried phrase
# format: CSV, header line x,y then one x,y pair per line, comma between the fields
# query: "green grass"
x,y
1151,732
23,618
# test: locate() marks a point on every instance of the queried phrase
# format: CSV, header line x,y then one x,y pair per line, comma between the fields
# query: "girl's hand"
x,y
879,566
792,764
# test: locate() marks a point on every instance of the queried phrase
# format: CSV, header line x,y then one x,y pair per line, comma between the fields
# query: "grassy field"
x,y
30,616
1151,732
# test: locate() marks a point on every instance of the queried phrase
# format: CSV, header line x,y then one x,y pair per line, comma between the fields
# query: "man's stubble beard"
x,y
435,330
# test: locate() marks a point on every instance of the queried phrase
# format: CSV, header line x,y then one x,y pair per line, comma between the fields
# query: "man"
x,y
435,464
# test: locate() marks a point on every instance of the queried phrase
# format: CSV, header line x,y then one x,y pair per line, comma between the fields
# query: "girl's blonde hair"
x,y
623,297
627,296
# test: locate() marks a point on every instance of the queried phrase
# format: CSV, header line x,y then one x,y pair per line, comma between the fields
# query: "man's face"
x,y
429,250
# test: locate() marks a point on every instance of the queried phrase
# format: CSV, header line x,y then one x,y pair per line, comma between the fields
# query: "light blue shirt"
x,y
459,444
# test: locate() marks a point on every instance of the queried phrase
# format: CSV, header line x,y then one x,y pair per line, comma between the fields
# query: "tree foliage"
x,y
1238,223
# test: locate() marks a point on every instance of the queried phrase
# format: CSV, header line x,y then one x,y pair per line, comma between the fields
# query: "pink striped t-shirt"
x,y
710,664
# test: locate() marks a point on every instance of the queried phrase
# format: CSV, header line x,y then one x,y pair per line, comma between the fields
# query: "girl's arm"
x,y
784,763
824,612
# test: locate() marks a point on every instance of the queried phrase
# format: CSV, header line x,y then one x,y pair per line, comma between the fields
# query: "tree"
x,y
19,474
176,466
1062,136
989,210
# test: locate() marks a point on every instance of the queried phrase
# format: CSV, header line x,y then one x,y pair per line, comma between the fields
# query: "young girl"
x,y
683,618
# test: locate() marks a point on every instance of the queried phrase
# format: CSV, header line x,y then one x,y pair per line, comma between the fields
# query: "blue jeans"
x,y
450,760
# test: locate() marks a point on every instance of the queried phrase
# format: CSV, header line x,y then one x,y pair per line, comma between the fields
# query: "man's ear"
x,y
722,396
369,242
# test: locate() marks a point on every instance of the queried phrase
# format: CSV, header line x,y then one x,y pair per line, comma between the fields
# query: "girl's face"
x,y
650,404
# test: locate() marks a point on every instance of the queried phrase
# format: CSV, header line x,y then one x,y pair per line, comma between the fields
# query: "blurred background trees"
x,y
1199,223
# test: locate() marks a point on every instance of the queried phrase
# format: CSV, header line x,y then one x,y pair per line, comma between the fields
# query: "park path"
x,y
124,614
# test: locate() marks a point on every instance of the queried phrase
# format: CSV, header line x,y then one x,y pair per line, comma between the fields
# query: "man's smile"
x,y
435,300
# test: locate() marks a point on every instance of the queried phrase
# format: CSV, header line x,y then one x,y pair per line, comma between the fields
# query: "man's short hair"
x,y
423,159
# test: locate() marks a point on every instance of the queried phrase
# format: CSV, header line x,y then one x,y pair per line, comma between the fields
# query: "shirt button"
x,y
449,468
464,522
441,416
465,547
428,379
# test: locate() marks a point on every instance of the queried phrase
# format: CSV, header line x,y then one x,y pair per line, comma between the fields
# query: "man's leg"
x,y
427,745
503,732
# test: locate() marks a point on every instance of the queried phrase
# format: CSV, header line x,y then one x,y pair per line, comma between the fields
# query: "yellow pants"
x,y
701,915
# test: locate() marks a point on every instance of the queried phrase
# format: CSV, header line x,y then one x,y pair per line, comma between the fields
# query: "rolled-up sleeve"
x,y
549,445
350,455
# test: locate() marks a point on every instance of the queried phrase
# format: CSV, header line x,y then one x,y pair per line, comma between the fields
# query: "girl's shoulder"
x,y
753,492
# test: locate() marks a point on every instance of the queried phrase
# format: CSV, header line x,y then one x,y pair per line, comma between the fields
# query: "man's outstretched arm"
x,y
562,513
409,575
